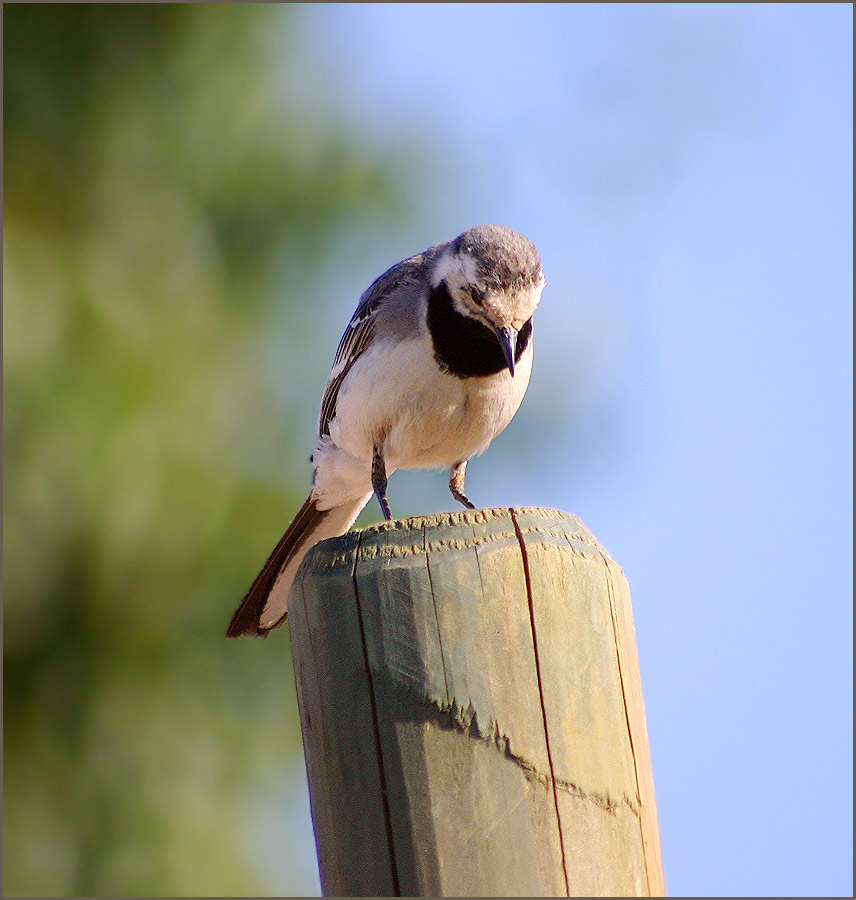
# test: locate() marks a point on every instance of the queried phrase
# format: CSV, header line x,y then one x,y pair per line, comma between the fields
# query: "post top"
x,y
470,517
413,535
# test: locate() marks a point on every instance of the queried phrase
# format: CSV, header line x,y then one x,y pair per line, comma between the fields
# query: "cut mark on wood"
x,y
436,618
376,727
541,695
464,720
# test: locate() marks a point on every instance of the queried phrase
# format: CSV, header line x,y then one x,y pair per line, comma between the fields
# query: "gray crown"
x,y
505,259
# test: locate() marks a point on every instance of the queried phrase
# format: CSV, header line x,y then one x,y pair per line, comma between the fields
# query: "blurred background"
x,y
194,198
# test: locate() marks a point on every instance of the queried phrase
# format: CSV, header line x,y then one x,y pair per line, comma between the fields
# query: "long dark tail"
x,y
265,605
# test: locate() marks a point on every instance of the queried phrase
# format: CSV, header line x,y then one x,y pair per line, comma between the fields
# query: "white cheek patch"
x,y
456,270
468,269
445,269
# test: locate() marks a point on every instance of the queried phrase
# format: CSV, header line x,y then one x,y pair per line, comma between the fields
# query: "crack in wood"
x,y
376,728
525,558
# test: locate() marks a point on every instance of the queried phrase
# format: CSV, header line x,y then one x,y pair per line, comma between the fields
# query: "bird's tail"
x,y
265,605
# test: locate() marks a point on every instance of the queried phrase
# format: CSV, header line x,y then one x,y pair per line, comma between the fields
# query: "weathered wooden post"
x,y
472,713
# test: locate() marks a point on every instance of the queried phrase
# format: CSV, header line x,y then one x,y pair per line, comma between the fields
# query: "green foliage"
x,y
162,163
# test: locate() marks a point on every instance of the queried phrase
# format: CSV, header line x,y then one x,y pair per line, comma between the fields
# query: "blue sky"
x,y
686,172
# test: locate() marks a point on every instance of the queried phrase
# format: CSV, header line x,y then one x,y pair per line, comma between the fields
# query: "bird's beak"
x,y
507,338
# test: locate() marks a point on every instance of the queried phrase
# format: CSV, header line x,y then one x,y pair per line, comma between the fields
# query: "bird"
x,y
432,367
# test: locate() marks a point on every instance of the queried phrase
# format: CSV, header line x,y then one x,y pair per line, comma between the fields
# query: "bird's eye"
x,y
477,295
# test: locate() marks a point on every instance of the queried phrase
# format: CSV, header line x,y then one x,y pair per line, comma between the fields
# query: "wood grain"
x,y
471,711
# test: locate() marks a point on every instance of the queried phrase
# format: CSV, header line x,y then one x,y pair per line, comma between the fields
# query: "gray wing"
x,y
361,329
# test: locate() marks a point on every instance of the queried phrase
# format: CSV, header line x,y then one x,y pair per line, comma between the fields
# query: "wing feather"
x,y
361,330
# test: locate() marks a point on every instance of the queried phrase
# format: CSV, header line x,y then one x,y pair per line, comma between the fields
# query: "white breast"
x,y
397,396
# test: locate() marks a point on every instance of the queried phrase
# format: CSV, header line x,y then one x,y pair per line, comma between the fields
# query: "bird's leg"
x,y
379,481
457,474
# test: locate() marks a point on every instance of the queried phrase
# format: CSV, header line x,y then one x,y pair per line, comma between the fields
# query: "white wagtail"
x,y
432,366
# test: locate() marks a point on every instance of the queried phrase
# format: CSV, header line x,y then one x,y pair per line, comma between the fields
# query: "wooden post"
x,y
472,713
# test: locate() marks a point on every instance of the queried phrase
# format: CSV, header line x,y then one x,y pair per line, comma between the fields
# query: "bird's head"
x,y
493,275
